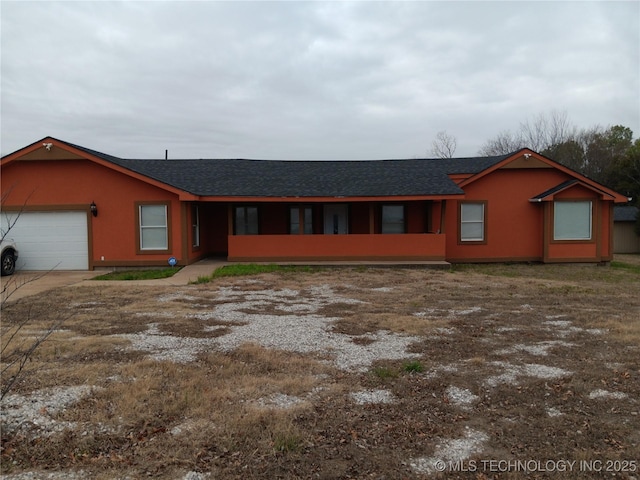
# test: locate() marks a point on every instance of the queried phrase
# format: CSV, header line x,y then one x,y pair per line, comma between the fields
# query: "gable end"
x,y
525,161
48,151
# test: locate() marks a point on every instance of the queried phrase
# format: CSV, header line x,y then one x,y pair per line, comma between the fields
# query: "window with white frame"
x,y
246,220
472,222
195,226
153,227
572,220
301,217
392,219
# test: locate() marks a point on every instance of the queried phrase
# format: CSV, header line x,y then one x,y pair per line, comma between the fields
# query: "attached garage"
x,y
52,240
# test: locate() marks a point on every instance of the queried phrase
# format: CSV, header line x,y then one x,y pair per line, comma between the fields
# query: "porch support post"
x,y
230,219
184,214
443,211
372,218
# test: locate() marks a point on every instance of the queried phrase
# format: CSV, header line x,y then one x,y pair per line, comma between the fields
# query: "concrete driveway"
x,y
23,284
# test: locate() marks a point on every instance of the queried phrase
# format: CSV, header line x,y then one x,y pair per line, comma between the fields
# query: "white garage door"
x,y
50,240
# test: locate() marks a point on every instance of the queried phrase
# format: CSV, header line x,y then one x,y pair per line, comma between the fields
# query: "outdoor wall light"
x,y
94,209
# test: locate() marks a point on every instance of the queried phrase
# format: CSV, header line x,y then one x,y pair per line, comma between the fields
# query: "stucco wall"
x,y
516,228
63,184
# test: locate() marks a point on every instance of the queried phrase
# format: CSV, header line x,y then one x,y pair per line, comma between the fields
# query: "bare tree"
x,y
546,130
503,143
444,145
16,348
540,133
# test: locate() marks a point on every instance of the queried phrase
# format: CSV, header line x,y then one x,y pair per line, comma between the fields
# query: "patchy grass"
x,y
413,367
152,274
615,272
626,266
384,373
238,270
515,362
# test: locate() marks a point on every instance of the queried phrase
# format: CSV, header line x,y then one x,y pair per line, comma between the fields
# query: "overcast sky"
x,y
310,80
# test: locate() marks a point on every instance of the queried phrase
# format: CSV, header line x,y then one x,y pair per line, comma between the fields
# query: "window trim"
x,y
483,241
591,238
138,214
404,219
302,219
235,219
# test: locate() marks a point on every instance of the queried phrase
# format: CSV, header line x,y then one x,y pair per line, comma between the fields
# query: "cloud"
x,y
297,80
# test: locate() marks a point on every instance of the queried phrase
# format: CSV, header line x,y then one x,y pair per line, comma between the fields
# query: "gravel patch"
x,y
168,347
511,373
606,395
538,349
35,411
435,371
184,427
446,330
565,328
299,329
450,313
461,397
554,412
507,329
65,475
382,289
373,396
454,450
196,476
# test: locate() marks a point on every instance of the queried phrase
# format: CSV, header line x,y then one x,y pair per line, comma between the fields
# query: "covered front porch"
x,y
387,247
289,231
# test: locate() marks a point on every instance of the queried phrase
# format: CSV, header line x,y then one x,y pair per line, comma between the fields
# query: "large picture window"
x,y
153,227
472,222
393,219
572,220
301,220
246,220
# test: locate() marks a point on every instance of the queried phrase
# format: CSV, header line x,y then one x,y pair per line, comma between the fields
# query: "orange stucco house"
x,y
76,208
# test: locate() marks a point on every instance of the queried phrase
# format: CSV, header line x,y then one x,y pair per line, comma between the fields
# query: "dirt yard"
x,y
482,372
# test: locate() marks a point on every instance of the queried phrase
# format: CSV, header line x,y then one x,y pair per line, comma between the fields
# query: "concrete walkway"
x,y
23,284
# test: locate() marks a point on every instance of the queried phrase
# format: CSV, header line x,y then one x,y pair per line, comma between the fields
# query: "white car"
x,y
9,256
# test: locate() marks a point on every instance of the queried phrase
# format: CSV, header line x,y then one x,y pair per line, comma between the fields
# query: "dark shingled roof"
x,y
280,178
556,189
625,213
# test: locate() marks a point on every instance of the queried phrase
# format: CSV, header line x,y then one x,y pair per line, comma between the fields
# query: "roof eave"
x,y
12,157
551,194
615,196
328,199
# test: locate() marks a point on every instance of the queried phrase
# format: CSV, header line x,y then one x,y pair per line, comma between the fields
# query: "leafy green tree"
x,y
569,153
605,150
625,176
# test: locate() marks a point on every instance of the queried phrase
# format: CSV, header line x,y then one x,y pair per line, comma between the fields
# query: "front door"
x,y
336,219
